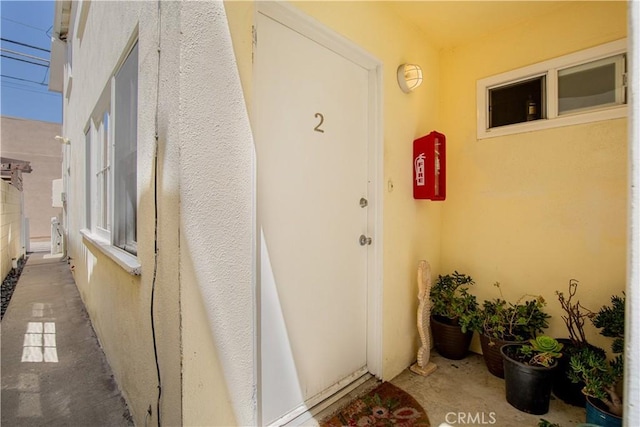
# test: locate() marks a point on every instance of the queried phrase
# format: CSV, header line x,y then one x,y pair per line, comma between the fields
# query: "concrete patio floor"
x,y
463,393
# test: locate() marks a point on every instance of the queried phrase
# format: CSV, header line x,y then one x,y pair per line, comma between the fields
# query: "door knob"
x,y
363,202
364,240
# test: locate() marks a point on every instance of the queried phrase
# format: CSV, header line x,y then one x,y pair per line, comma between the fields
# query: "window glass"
x,y
592,85
126,149
517,102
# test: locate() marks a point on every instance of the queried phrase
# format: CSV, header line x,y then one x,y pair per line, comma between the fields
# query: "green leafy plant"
x,y
512,322
450,299
542,351
590,364
545,423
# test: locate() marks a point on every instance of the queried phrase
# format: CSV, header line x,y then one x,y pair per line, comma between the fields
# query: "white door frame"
x,y
314,30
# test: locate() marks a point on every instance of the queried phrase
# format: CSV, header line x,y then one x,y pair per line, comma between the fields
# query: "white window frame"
x,y
550,69
99,159
105,237
125,194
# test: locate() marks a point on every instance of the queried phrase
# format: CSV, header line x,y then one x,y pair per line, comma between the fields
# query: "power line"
x,y
24,60
26,89
24,54
22,23
24,44
23,80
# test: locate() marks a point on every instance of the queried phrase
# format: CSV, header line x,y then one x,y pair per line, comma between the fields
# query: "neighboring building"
x,y
34,141
228,163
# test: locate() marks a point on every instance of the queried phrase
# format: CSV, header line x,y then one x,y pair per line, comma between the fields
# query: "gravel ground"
x,y
9,284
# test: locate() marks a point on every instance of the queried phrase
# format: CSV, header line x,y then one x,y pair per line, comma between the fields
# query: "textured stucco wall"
x,y
10,226
536,209
632,324
33,141
120,304
217,219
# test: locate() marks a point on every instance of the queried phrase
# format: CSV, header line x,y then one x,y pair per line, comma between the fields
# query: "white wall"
x,y
632,325
217,224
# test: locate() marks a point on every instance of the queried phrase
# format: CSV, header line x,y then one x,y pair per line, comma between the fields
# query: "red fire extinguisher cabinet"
x,y
430,167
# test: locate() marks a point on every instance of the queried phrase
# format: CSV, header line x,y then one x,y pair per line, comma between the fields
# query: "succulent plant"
x,y
546,344
543,351
512,322
591,365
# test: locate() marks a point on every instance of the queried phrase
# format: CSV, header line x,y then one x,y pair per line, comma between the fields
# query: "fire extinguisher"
x,y
430,167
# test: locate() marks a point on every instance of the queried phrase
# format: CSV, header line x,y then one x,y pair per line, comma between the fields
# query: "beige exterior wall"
x,y
10,227
536,209
120,303
33,141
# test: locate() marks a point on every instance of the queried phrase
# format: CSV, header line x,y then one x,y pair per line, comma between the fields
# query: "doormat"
x,y
386,405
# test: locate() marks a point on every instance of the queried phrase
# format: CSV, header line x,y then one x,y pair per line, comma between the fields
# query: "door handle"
x,y
364,240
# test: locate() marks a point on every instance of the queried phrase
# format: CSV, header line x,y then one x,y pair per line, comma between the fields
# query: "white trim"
x,y
293,18
128,262
375,220
322,400
550,69
632,322
296,20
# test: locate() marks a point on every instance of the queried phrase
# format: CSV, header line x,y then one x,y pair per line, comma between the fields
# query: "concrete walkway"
x,y
54,372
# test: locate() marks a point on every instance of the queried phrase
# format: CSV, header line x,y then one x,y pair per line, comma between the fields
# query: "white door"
x,y
312,136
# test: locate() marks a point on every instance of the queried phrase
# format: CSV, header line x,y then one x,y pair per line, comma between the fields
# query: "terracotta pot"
x,y
492,355
448,338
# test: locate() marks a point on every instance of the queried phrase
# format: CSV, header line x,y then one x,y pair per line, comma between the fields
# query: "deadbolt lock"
x,y
364,240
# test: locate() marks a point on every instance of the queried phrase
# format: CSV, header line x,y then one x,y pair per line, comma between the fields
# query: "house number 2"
x,y
317,128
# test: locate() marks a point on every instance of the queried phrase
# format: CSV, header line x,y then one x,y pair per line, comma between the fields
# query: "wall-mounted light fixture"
x,y
62,139
409,77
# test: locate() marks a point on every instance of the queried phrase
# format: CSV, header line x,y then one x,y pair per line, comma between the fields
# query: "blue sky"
x,y
23,87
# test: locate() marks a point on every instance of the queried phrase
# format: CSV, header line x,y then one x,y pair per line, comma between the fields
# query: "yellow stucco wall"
x,y
534,210
411,228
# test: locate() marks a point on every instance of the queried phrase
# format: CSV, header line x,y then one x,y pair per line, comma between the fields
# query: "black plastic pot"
x,y
491,354
448,338
597,414
563,388
528,388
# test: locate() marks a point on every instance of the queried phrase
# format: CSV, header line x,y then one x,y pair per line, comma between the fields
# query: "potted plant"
x,y
501,322
528,373
600,375
574,318
453,313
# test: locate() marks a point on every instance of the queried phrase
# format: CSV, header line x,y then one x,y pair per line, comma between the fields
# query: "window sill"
x,y
128,262
617,112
